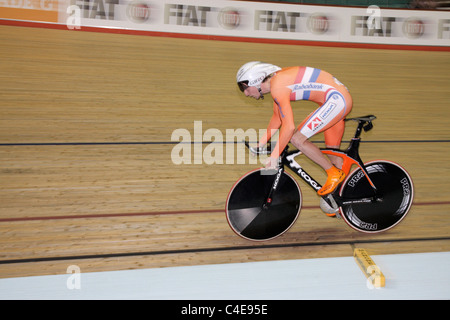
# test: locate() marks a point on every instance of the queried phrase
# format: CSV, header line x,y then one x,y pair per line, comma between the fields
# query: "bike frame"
x,y
350,156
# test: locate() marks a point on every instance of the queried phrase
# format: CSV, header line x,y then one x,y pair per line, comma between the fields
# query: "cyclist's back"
x,y
306,83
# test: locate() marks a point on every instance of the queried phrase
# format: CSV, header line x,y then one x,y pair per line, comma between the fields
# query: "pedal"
x,y
329,205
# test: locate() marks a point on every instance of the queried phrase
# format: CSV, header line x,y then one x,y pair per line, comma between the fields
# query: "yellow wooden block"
x,y
369,268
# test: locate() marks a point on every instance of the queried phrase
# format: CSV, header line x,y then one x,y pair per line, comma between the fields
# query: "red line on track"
x,y
155,213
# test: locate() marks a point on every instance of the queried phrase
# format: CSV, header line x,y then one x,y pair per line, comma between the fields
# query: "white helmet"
x,y
253,73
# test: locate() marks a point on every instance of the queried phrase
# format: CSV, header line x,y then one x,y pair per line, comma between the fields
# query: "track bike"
x,y
374,197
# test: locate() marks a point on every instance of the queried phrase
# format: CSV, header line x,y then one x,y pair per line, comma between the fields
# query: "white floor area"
x,y
408,276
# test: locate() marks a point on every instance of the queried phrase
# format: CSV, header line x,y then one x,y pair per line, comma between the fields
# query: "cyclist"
x,y
301,83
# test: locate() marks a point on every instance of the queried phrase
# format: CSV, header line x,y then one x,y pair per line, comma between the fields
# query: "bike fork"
x,y
276,180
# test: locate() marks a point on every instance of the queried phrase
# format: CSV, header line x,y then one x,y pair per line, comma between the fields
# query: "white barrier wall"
x,y
241,19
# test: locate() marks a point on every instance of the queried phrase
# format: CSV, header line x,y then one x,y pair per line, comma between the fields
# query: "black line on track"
x,y
182,142
199,250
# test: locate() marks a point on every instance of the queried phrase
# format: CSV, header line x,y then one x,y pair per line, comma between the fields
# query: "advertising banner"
x,y
242,19
255,21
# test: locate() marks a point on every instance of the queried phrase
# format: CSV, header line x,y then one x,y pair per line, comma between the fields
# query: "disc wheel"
x,y
395,194
244,208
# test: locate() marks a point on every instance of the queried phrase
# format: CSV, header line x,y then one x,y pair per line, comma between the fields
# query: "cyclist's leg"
x,y
333,137
332,112
309,149
334,132
325,117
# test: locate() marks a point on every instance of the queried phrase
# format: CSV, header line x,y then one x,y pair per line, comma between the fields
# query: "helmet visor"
x,y
243,85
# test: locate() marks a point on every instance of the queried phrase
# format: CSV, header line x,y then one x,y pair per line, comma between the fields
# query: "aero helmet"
x,y
253,73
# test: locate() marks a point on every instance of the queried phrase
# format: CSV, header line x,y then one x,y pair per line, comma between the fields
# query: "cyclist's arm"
x,y
287,128
274,125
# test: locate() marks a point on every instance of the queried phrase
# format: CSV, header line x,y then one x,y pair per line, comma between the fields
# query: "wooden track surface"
x,y
86,175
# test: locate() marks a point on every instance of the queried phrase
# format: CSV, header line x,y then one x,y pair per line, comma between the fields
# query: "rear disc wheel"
x,y
395,194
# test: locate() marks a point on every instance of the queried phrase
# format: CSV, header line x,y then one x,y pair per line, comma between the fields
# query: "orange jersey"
x,y
305,83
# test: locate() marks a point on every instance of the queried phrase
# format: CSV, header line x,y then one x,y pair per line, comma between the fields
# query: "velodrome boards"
x,y
87,175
